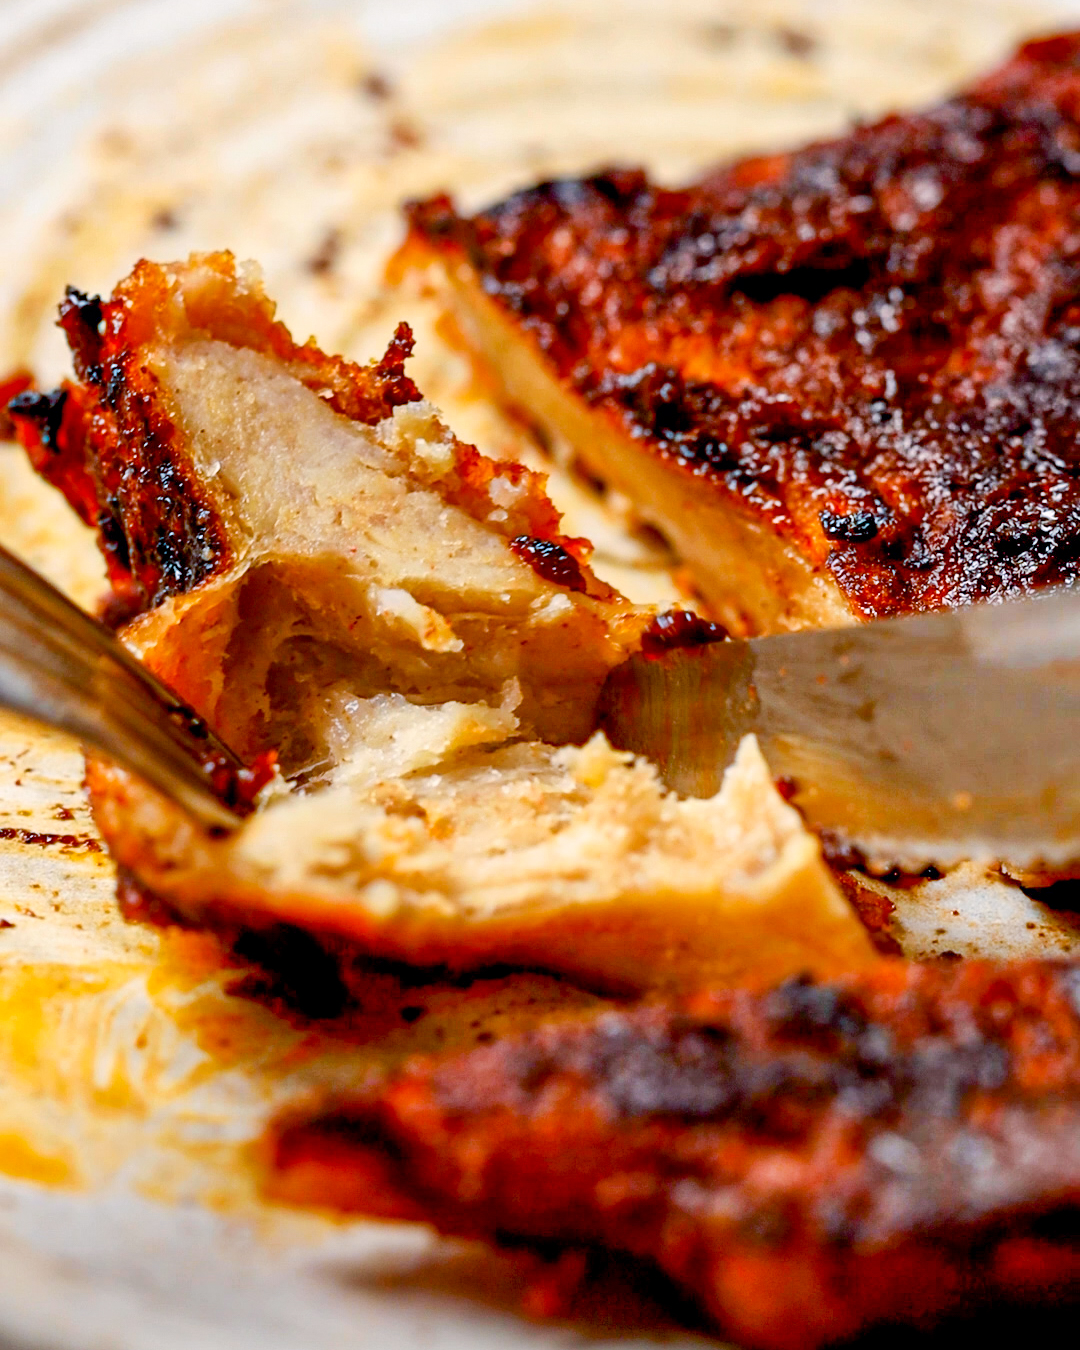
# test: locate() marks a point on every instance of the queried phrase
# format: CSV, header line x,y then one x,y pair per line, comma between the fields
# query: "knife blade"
x,y
921,740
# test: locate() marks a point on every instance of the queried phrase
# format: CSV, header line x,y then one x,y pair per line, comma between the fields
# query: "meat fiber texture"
x,y
327,574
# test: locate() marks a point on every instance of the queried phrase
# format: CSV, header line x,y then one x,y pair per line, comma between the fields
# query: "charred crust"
x,y
18,382
823,1045
922,1053
108,447
853,527
82,319
389,371
682,1071
680,628
816,334
43,411
549,560
155,521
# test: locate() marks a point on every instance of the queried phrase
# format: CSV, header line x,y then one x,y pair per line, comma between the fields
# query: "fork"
x,y
66,670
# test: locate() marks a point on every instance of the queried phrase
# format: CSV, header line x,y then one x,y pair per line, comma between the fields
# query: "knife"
x,y
920,741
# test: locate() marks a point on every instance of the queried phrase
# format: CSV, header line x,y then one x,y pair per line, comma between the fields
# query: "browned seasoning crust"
x,y
105,440
806,1162
870,346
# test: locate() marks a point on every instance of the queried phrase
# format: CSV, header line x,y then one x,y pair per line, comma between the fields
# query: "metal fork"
x,y
66,670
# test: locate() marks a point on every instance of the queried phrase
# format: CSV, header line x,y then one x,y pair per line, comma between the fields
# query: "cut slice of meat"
x,y
332,577
844,381
807,1161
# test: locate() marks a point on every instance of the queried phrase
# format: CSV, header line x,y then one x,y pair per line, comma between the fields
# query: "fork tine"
x,y
95,676
34,595
61,667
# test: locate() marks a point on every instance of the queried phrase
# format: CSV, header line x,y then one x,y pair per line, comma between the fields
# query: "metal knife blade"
x,y
922,740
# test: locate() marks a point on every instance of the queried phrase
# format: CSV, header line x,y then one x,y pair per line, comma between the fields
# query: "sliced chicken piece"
x,y
807,1162
327,574
843,381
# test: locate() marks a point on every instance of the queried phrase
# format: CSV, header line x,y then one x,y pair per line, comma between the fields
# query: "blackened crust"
x,y
108,443
155,520
807,1161
872,345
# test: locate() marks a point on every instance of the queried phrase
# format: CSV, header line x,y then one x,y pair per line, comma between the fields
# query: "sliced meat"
x,y
807,1162
330,577
844,380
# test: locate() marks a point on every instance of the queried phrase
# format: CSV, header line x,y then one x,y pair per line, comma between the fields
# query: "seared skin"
x,y
871,346
807,1162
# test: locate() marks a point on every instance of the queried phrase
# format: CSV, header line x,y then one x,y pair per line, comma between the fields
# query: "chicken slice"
x,y
807,1162
842,380
327,574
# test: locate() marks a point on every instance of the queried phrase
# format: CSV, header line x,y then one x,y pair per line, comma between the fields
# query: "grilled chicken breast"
x,y
843,380
328,576
807,1162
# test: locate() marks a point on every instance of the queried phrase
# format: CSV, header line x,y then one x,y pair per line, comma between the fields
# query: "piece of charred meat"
x,y
807,1162
330,578
845,380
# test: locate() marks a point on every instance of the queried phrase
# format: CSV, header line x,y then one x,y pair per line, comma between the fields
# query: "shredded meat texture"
x,y
869,348
807,1162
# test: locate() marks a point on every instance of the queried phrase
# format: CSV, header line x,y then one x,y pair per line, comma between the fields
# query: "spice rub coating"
x,y
807,1161
108,442
869,347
